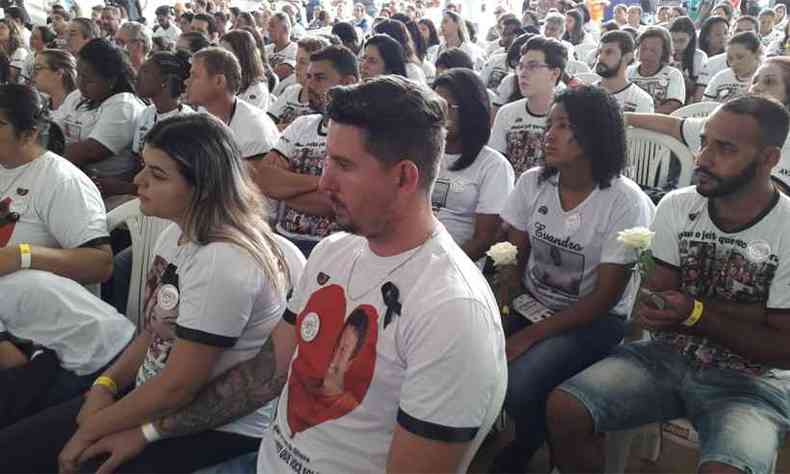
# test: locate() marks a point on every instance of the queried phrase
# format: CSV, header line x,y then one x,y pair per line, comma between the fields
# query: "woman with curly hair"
x,y
11,44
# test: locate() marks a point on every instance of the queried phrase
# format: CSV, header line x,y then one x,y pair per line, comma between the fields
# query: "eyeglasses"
x,y
532,66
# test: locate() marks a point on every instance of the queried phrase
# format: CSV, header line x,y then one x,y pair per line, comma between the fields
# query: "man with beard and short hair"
x,y
717,307
291,171
615,54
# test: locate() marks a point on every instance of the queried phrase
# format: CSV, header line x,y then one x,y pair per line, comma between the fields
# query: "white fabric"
x,y
112,124
58,206
284,84
481,188
285,55
429,70
567,246
507,86
495,71
288,107
771,37
58,313
171,33
257,95
751,266
725,86
415,73
712,66
148,118
699,62
437,364
633,98
475,53
517,133
666,84
223,300
18,58
255,131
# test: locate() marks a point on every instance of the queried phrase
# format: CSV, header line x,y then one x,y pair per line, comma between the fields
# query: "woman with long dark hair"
x,y
254,84
685,55
381,55
744,54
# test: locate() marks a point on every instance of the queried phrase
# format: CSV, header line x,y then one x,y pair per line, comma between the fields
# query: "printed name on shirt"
x,y
566,242
290,455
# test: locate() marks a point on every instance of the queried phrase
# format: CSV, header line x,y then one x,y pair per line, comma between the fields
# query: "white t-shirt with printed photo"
x,y
633,98
699,62
57,204
567,246
518,134
255,132
112,124
507,86
284,84
170,33
188,296
712,66
289,106
495,71
725,86
432,367
666,84
149,118
257,95
18,58
287,54
747,266
481,188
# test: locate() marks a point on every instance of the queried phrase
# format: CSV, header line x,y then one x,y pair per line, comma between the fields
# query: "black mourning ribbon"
x,y
391,295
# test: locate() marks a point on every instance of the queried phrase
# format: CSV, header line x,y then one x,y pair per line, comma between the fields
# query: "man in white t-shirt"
x,y
291,171
166,27
281,53
717,312
135,38
653,72
518,127
214,81
292,102
392,343
614,55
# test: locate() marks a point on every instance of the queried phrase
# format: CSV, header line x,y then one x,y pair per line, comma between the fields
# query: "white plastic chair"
x,y
144,231
649,154
588,77
700,109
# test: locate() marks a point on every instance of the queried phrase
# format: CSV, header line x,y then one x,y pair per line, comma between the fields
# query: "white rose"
x,y
639,238
503,253
167,297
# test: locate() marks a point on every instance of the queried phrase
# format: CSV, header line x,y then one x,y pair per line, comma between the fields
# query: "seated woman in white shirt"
x,y
51,214
254,85
201,318
564,218
55,74
397,30
685,55
744,54
474,180
14,47
455,34
99,118
381,55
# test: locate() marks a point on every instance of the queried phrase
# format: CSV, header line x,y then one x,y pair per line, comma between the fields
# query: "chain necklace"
x,y
394,269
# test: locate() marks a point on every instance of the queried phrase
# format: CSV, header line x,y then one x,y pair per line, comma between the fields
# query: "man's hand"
x,y
121,447
68,460
520,342
97,399
678,308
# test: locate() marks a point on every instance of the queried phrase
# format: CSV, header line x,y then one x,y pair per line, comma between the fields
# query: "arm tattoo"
x,y
236,393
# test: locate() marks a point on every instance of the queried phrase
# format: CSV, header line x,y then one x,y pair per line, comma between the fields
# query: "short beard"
x,y
727,186
607,72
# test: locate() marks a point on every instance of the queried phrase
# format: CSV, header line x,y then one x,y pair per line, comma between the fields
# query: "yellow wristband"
x,y
696,314
107,383
25,255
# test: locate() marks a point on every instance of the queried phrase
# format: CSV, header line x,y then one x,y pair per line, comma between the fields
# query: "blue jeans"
x,y
536,373
740,418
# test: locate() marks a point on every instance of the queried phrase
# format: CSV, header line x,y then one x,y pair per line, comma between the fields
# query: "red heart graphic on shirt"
x,y
6,226
336,358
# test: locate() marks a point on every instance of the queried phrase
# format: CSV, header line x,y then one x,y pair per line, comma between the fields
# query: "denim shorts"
x,y
740,418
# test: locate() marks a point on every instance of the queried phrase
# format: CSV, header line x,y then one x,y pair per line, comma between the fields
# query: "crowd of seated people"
x,y
329,293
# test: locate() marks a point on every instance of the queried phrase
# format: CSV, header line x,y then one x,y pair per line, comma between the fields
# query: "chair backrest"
x,y
588,77
700,109
649,154
144,231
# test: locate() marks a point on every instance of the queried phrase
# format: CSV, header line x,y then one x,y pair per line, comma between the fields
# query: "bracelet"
x,y
150,433
107,383
696,314
25,260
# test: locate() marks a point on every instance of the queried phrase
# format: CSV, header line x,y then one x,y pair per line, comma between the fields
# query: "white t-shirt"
x,y
725,86
712,66
433,368
303,144
480,188
633,98
255,131
189,296
507,86
18,58
476,54
666,84
58,206
415,73
112,124
771,37
287,54
567,246
518,134
284,84
149,118
750,266
699,62
171,33
85,332
429,70
257,95
495,71
288,106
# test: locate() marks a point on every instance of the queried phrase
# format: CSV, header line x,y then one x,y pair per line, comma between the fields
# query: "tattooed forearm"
x,y
238,392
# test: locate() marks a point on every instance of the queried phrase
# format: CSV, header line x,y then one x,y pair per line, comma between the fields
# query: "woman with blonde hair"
x,y
55,74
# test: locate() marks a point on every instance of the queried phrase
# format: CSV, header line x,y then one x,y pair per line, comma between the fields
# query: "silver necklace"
x,y
394,269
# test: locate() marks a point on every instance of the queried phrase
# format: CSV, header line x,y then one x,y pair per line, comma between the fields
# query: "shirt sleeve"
x,y
75,213
645,104
260,138
116,123
498,139
710,90
286,145
633,210
518,207
495,187
666,246
778,296
677,87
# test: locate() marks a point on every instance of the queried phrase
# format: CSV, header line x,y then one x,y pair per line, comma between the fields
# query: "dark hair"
x,y
18,14
48,36
26,111
577,35
188,16
433,36
420,48
391,52
402,120
221,61
163,10
754,21
174,68
342,59
727,9
472,30
212,23
247,18
598,127
246,52
111,64
397,31
454,58
624,41
514,51
666,41
347,34
683,24
474,112
748,40
196,41
704,32
771,116
610,25
556,53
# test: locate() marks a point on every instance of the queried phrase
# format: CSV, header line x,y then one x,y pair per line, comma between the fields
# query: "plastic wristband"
x,y
107,383
149,433
696,314
25,256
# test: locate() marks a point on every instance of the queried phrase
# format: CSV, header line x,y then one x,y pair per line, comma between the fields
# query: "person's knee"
x,y
718,468
565,415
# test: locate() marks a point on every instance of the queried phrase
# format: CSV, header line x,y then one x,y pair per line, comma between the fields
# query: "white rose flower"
x,y
503,253
639,238
167,297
